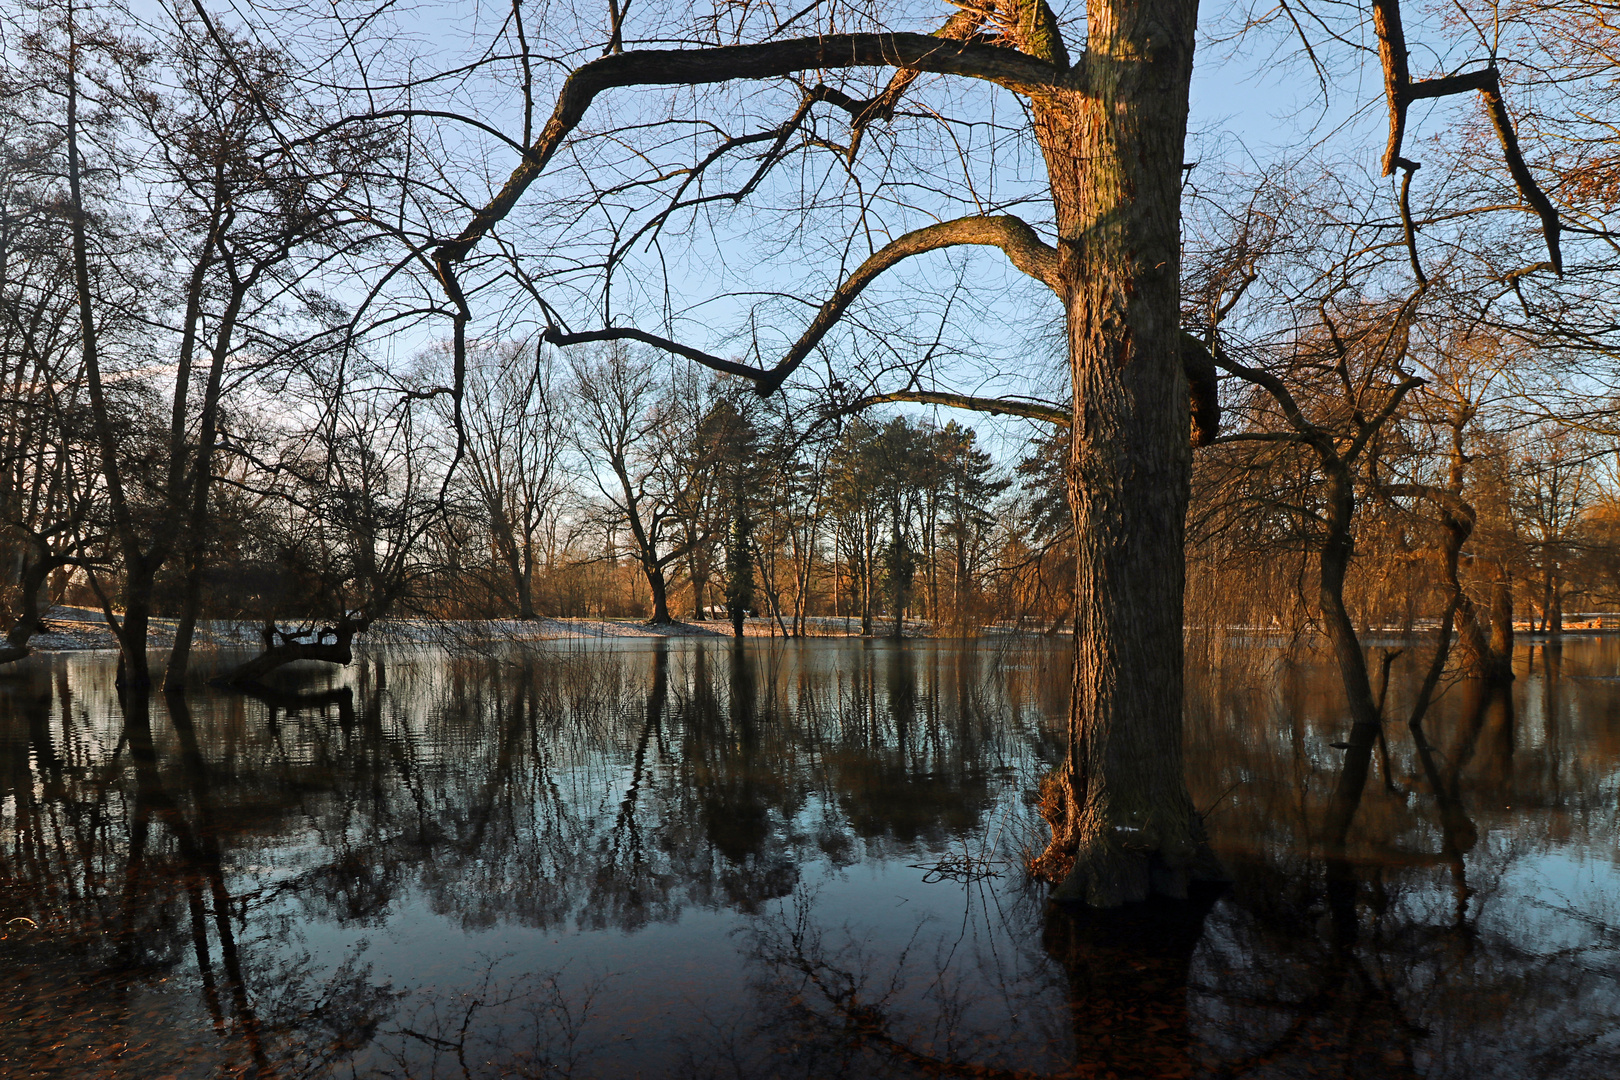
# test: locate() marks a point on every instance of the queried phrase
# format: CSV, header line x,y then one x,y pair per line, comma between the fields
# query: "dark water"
x,y
687,859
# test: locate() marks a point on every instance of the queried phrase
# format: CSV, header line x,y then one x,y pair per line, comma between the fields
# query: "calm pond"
x,y
695,859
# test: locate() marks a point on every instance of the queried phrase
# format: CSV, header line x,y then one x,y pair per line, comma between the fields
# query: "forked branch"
x,y
1400,91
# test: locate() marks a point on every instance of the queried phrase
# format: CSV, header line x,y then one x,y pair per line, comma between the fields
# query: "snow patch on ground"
x,y
72,629
69,629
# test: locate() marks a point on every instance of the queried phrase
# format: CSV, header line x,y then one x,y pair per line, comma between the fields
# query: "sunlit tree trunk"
x,y
1114,153
1555,605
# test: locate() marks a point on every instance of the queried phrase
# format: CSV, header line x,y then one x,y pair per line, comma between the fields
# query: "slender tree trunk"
x,y
1555,606
179,662
131,632
200,485
1114,154
1501,643
1365,722
134,669
866,591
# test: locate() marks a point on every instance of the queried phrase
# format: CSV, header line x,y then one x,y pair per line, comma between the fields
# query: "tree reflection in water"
x,y
710,859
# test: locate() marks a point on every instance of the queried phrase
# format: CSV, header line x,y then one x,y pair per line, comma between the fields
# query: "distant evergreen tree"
x,y
739,566
899,571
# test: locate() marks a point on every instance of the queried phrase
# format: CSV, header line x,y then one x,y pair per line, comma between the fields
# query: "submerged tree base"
x,y
1095,863
283,647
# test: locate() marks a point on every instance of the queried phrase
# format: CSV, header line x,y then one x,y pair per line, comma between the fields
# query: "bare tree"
x,y
624,432
517,427
355,501
45,502
200,126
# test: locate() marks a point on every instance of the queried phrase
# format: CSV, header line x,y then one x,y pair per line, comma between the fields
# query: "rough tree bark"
x,y
1114,154
37,566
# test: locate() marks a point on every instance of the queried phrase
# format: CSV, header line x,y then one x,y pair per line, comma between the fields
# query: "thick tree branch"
x,y
1408,227
699,67
1032,410
1012,235
554,336
1526,183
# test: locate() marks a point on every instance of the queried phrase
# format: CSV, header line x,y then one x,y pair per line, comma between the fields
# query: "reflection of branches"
x,y
853,1018
524,1026
837,1015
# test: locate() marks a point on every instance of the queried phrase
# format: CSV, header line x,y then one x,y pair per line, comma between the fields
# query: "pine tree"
x,y
899,571
739,566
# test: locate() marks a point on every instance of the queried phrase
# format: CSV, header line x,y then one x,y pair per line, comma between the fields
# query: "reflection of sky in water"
x,y
731,866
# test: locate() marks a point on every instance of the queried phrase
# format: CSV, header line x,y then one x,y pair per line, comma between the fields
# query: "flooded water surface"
x,y
699,859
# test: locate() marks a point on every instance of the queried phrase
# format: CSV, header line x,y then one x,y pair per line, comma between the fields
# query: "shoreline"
x,y
80,629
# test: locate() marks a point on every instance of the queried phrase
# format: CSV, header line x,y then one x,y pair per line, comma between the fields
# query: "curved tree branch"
x,y
699,67
1011,234
554,336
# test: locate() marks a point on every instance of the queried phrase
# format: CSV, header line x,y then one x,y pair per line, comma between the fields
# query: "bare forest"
x,y
843,320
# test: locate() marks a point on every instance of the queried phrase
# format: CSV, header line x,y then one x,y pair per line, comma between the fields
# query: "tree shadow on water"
x,y
1049,992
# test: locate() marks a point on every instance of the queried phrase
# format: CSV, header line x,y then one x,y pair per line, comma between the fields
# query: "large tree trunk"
x,y
698,569
134,667
519,560
660,594
1114,154
1501,644
525,591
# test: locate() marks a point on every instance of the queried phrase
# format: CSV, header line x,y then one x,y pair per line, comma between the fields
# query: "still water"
x,y
696,859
